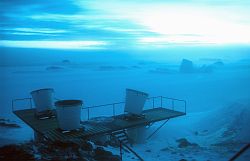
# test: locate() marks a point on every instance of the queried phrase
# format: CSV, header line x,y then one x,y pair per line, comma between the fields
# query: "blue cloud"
x,y
115,21
44,6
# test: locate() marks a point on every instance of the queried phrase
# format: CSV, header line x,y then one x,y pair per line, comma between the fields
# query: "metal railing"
x,y
113,105
21,99
153,102
14,101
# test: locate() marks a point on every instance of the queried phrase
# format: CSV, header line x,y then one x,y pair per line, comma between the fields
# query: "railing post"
x,y
88,113
185,107
172,104
30,103
113,109
153,102
161,101
120,149
12,105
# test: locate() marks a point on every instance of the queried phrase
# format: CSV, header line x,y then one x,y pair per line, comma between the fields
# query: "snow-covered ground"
x,y
216,135
218,103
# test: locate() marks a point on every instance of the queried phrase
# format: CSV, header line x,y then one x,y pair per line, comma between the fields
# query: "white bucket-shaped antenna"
x,y
43,99
135,101
68,114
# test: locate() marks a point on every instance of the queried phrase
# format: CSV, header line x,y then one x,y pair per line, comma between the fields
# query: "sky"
x,y
119,24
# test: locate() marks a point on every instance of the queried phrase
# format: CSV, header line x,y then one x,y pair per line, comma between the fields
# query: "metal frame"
x,y
104,105
122,145
157,129
160,100
153,99
21,99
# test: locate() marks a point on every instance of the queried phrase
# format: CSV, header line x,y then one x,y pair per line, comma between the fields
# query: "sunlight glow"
x,y
177,22
215,30
129,24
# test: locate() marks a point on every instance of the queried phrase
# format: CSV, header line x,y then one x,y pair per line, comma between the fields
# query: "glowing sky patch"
x,y
211,29
126,24
214,24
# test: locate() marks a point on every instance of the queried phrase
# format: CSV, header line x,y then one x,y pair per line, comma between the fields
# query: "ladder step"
x,y
121,138
124,140
118,135
118,132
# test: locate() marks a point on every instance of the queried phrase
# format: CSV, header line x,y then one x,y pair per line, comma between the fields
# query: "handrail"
x,y
21,99
109,104
173,99
28,98
160,100
113,105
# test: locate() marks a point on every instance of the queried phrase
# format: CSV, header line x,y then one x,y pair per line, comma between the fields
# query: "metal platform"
x,y
157,109
49,127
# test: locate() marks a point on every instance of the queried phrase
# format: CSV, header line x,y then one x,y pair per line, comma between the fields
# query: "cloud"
x,y
216,22
30,33
44,6
54,44
35,30
123,24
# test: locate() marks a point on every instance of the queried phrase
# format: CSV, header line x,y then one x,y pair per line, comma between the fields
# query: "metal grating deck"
x,y
49,127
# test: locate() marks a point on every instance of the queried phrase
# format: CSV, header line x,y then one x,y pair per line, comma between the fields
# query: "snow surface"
x,y
218,103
